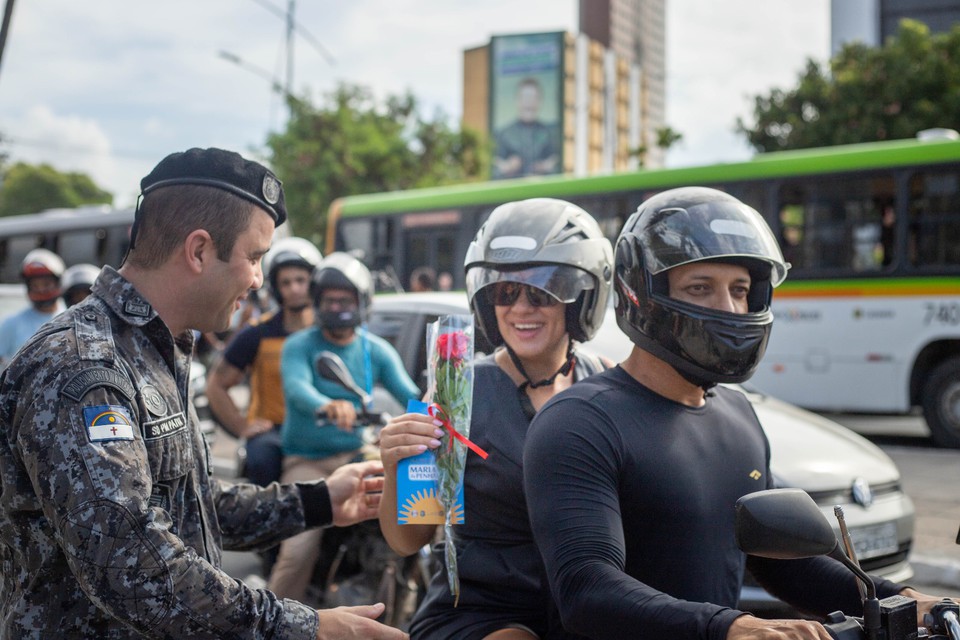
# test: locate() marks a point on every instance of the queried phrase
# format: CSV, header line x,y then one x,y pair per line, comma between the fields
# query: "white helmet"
x,y
40,263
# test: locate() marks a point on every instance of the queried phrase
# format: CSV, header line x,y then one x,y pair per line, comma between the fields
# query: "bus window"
x,y
80,246
935,219
836,223
357,235
15,250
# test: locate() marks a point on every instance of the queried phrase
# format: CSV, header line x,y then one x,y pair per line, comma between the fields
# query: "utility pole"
x,y
5,28
290,24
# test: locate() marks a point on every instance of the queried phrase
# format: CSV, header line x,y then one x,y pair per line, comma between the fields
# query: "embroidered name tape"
x,y
107,422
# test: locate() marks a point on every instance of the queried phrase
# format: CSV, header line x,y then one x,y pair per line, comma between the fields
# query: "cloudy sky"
x,y
109,87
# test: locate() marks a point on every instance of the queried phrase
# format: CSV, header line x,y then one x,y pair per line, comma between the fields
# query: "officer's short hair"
x,y
209,189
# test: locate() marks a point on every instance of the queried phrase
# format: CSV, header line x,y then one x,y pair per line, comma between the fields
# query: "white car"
x,y
830,462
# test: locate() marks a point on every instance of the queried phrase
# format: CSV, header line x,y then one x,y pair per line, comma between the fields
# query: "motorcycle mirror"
x,y
331,367
784,524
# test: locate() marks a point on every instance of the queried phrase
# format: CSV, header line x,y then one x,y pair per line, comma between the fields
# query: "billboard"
x,y
526,104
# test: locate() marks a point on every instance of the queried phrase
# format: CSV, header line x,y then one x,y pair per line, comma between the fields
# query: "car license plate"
x,y
873,541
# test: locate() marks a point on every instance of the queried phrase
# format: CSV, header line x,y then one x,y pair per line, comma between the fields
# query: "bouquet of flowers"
x,y
450,378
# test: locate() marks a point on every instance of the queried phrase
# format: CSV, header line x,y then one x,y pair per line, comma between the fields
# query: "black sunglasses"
x,y
504,294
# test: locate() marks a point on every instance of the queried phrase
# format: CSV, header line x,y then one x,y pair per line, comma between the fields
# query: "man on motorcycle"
x,y
631,476
318,431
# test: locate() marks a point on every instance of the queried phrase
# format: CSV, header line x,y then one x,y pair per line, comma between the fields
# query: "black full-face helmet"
x,y
289,252
683,226
340,270
545,243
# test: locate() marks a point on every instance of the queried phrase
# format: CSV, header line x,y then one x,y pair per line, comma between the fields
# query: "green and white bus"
x,y
869,317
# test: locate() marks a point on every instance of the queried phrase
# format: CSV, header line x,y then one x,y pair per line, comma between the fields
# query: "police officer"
x,y
111,524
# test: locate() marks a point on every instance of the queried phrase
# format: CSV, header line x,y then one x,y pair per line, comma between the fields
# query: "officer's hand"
x,y
408,435
348,623
342,413
355,490
747,627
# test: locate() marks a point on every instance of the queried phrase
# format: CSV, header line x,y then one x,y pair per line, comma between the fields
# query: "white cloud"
x,y
134,81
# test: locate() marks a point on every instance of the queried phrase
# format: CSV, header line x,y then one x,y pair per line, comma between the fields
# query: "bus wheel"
x,y
941,404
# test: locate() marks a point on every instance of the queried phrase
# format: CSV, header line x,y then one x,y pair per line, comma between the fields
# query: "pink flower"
x,y
452,346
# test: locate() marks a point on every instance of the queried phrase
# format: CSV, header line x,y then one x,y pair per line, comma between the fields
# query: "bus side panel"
x,y
852,353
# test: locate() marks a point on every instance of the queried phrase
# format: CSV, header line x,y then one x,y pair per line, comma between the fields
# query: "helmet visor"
x,y
563,282
707,231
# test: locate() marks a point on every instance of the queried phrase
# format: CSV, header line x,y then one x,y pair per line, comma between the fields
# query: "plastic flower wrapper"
x,y
450,379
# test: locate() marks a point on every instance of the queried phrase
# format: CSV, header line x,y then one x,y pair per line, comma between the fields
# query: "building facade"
x,y
873,21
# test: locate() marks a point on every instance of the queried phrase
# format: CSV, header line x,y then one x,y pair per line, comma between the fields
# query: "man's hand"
x,y
355,493
347,623
924,602
747,627
256,427
342,413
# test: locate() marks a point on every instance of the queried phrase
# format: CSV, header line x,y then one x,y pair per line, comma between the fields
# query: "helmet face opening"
x,y
342,271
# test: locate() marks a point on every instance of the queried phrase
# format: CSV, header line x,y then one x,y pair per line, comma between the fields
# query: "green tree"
x,y
28,188
891,92
353,143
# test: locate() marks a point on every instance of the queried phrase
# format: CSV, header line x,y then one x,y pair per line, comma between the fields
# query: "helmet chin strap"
x,y
525,402
563,370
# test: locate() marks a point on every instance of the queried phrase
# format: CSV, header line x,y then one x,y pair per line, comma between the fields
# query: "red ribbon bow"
x,y
437,413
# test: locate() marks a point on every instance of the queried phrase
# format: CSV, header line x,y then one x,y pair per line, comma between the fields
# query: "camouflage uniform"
x,y
111,525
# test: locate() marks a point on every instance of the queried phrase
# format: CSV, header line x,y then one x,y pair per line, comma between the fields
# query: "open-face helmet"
x,y
77,278
289,252
40,263
548,244
687,225
340,270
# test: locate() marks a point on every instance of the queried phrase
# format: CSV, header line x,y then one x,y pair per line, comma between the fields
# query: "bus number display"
x,y
948,314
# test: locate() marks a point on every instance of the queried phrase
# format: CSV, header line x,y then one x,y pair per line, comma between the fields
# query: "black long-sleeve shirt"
x,y
631,498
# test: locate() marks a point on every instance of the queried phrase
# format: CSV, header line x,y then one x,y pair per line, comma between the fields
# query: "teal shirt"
x,y
305,391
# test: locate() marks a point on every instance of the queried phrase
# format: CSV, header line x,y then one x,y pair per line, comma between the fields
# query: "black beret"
x,y
220,169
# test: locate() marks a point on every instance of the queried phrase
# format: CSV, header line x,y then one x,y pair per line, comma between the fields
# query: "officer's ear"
x,y
199,250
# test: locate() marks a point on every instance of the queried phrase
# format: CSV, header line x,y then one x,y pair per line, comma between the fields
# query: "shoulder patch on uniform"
x,y
107,422
94,377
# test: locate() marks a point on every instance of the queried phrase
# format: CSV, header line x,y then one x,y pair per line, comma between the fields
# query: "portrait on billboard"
x,y
526,105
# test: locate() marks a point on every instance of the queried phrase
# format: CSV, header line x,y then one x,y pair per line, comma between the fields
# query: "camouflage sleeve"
x,y
92,473
254,517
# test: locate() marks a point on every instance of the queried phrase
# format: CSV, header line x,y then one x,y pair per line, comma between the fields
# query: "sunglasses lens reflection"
x,y
505,294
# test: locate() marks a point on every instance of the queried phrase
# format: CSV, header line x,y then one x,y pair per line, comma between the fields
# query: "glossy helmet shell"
x,y
686,225
541,232
42,262
340,270
289,252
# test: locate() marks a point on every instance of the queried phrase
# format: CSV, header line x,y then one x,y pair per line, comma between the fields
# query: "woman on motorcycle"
x,y
538,277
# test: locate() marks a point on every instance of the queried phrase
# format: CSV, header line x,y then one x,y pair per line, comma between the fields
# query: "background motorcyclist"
x,y
342,291
632,476
77,282
255,352
40,271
